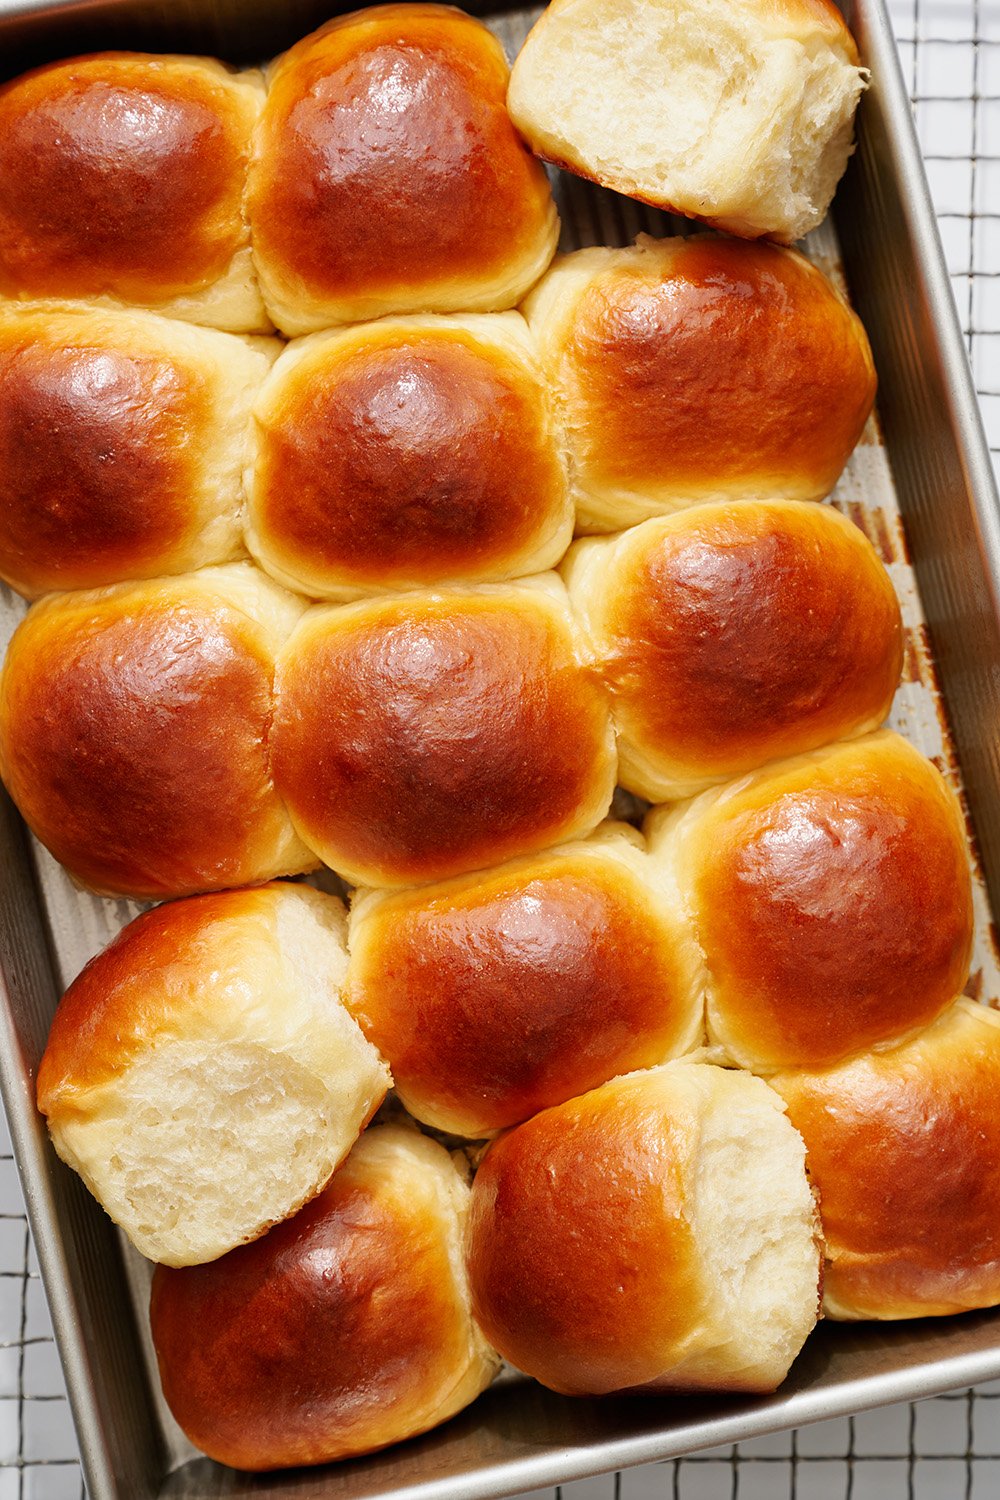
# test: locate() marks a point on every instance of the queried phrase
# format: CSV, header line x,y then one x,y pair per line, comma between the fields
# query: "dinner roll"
x,y
202,1075
831,896
424,735
740,115
407,452
122,178
343,1330
387,176
496,995
134,727
730,635
658,1233
123,438
700,369
904,1147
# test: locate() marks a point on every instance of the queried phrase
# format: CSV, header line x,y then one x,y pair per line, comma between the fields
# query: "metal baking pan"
x,y
927,463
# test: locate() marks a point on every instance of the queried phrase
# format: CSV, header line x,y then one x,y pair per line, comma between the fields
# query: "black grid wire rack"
x,y
946,1448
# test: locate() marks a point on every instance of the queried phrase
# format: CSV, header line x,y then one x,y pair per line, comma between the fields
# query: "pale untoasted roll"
x,y
738,115
658,1233
832,897
387,176
496,995
730,635
122,178
134,726
123,439
343,1330
404,453
421,736
202,1074
700,369
903,1147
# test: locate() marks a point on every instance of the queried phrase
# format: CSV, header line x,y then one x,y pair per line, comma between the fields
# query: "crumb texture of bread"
x,y
903,1147
343,1330
202,1074
741,116
658,1233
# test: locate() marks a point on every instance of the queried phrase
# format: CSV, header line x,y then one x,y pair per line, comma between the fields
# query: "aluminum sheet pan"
x,y
921,487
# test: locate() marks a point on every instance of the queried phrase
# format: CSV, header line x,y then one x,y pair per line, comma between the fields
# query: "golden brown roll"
x,y
730,635
496,995
421,736
123,438
831,896
740,115
903,1147
134,727
658,1234
122,177
387,176
202,1074
408,452
700,369
343,1330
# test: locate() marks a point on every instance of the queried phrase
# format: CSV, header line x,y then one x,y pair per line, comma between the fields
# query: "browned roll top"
x,y
497,995
387,174
903,1146
429,734
407,453
832,897
133,733
121,173
342,1330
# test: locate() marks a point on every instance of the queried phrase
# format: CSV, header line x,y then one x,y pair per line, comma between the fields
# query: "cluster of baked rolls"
x,y
320,602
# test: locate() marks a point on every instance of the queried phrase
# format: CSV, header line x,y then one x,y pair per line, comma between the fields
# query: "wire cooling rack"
x,y
947,1448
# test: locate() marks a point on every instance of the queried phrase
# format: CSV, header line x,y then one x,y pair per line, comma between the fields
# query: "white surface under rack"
x,y
947,1448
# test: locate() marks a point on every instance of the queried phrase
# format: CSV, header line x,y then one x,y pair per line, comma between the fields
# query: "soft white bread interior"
x,y
739,115
658,1232
202,1074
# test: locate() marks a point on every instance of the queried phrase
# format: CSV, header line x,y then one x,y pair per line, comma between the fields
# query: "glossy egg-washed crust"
x,y
133,738
831,895
123,174
903,1147
497,995
425,735
113,460
704,368
733,635
406,453
359,208
150,983
344,1329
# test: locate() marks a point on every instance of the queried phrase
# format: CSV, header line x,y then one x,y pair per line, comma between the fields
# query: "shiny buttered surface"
x,y
400,685
202,1074
699,369
408,452
832,898
428,734
122,178
731,635
134,727
346,1328
387,175
658,1233
496,995
903,1147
